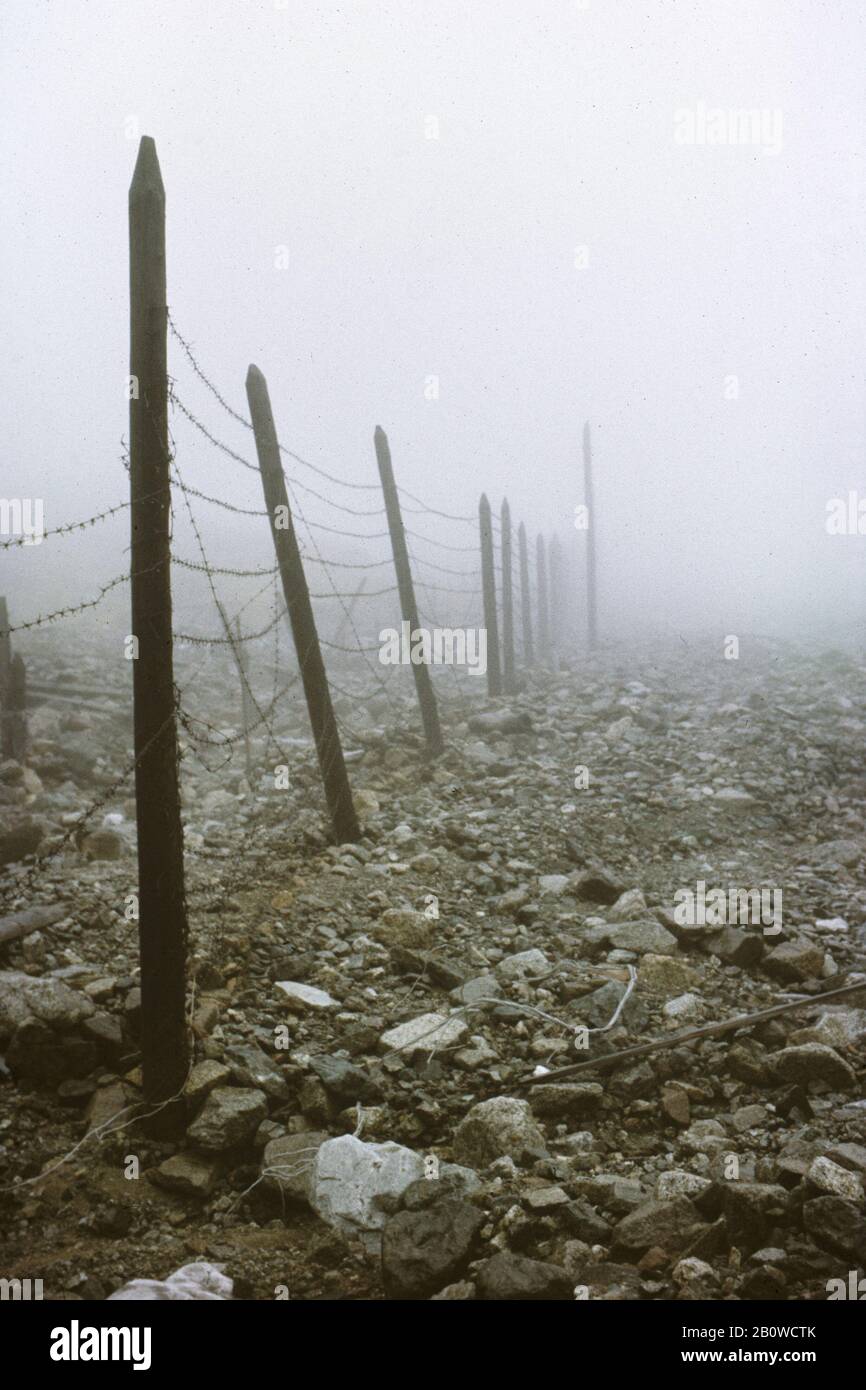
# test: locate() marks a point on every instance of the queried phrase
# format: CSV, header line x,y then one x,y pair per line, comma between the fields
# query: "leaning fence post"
x,y
162,906
488,588
591,599
507,602
408,605
543,611
338,793
525,600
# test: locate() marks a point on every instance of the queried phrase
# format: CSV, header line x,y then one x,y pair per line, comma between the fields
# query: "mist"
x,y
477,227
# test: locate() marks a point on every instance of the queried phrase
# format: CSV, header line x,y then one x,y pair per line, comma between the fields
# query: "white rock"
x,y
629,906
830,1177
525,963
691,1269
553,885
684,1007
426,1033
192,1282
676,1182
305,998
350,1178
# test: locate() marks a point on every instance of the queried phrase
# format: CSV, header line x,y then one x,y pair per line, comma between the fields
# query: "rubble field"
x,y
364,1114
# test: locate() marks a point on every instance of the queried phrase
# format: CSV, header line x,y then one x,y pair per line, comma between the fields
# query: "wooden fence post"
x,y
488,587
162,906
246,712
525,598
5,681
591,597
14,737
556,600
543,610
338,793
508,681
5,649
408,605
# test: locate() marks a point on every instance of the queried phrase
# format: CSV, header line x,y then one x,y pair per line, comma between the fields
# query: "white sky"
x,y
304,127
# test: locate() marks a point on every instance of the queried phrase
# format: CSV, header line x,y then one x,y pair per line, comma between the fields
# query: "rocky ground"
x,y
367,1017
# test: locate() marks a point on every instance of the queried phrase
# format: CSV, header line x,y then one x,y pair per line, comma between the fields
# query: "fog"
x,y
363,197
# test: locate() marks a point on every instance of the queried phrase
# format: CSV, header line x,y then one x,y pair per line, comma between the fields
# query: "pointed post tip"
x,y
147,175
254,373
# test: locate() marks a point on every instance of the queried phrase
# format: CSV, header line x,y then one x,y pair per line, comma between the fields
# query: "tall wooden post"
x,y
525,599
408,605
14,717
246,713
488,589
6,739
543,611
556,599
5,650
338,793
591,597
162,906
508,681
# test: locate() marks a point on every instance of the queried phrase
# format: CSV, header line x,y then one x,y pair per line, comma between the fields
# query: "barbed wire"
x,y
227,506
289,453
219,569
174,398
65,529
433,511
442,545
346,611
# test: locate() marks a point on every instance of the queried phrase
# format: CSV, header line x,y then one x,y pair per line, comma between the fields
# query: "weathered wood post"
x,y
556,599
525,599
591,596
508,681
408,605
14,738
246,712
338,793
5,681
488,589
5,650
543,611
162,905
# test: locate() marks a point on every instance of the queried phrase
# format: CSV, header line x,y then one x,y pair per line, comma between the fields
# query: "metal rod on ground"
x,y
591,597
246,712
408,605
162,905
709,1030
525,600
543,611
338,793
508,680
488,588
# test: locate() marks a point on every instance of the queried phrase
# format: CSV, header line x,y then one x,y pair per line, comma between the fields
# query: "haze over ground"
x,y
493,195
